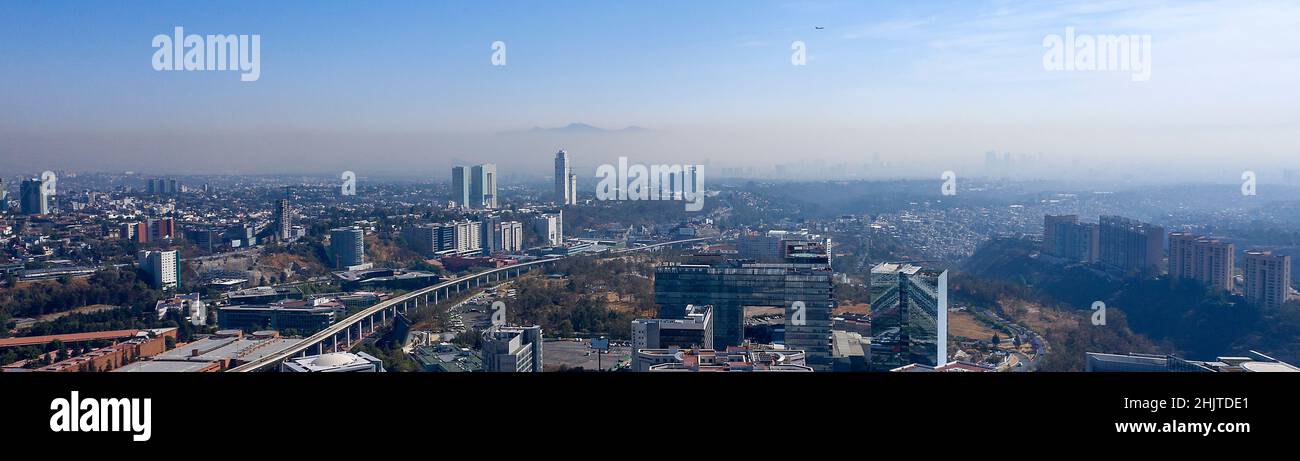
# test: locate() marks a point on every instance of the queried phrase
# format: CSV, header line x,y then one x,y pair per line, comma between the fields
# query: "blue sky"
x,y
933,83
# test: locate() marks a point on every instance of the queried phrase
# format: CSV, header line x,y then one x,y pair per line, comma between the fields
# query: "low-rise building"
x,y
1134,362
334,362
748,357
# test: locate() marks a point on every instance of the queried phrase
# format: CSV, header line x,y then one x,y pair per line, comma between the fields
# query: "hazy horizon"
x,y
388,89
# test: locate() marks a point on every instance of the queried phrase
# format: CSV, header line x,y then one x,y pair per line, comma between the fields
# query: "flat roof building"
x,y
1208,261
221,351
1134,362
300,317
744,358
334,362
731,285
1267,278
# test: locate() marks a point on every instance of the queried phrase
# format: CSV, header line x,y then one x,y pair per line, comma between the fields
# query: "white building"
x,y
550,227
512,349
162,267
334,362
565,181
189,305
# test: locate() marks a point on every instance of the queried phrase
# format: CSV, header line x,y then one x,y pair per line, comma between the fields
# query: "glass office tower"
x,y
732,285
909,316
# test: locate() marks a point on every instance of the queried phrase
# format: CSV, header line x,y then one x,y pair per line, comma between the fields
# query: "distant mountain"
x,y
581,128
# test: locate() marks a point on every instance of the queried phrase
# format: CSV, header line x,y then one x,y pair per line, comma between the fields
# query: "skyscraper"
x,y
283,224
460,186
35,201
573,189
483,186
1203,259
565,180
348,247
909,316
1131,245
1267,278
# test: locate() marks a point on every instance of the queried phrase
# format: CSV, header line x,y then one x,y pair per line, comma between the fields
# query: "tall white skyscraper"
x,y
565,180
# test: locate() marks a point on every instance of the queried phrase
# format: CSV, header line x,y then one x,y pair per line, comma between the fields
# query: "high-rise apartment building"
x,y
550,227
512,349
163,267
161,229
909,316
483,186
134,231
1130,245
501,236
348,247
1064,236
283,220
1267,278
1206,260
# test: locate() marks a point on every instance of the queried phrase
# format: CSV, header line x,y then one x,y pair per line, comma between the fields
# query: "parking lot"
x,y
556,353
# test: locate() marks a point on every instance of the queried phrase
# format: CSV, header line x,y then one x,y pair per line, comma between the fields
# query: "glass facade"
x,y
907,324
731,287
